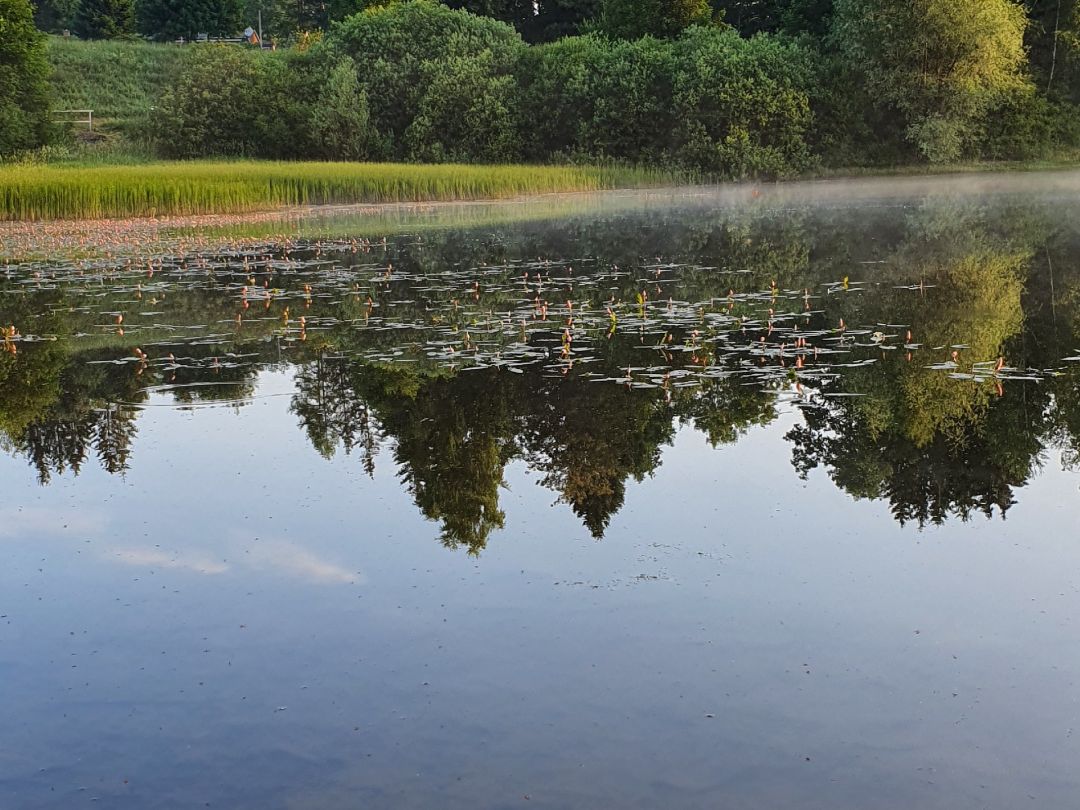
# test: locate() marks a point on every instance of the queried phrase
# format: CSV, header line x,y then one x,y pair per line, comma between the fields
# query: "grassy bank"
x,y
157,189
120,81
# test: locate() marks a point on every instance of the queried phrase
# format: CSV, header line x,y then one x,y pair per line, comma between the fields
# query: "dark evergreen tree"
x,y
105,19
54,16
631,19
519,13
173,19
559,18
750,17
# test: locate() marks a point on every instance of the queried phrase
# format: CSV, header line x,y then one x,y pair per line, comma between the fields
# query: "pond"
x,y
757,497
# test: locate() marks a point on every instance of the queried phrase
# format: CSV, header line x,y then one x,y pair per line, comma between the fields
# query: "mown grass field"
x,y
208,187
120,81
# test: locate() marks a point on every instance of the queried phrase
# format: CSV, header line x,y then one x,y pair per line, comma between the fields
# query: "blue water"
x,y
235,618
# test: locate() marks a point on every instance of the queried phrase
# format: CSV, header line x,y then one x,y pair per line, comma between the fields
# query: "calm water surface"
x,y
740,499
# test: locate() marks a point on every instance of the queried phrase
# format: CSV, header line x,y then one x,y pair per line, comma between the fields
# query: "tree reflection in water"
x,y
580,346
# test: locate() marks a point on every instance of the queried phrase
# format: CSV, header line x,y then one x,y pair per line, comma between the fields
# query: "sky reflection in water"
x,y
226,579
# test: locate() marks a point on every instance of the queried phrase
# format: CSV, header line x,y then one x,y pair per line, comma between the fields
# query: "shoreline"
x,y
22,240
254,190
185,188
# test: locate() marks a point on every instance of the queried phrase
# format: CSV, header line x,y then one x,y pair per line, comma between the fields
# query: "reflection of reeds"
x,y
34,193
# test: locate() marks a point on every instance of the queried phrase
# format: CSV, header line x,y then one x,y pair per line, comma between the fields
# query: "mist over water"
x,y
750,496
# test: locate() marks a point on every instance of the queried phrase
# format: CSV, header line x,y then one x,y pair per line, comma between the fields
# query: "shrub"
x,y
710,101
229,101
633,19
340,119
1027,126
850,128
466,113
597,99
555,91
401,49
741,106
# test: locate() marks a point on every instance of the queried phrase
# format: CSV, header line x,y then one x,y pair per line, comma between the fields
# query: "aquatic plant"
x,y
179,188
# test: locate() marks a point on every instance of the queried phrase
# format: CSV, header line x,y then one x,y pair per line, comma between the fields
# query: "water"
x,y
681,500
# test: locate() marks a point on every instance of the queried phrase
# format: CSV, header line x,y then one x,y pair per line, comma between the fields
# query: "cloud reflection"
x,y
19,521
240,553
289,558
156,558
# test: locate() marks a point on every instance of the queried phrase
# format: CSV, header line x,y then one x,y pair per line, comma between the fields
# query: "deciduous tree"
x,y
942,64
24,73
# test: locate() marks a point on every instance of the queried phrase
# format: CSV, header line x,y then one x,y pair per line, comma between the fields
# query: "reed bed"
x,y
185,188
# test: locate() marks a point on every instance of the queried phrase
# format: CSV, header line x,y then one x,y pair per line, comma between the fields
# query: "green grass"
x,y
179,188
120,81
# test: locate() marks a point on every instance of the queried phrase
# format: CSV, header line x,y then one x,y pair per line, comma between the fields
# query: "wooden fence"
x,y
85,117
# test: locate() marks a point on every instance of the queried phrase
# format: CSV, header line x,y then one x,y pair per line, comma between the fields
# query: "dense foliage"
x,y
55,15
104,19
226,103
632,19
734,88
942,64
24,72
438,81
421,82
173,19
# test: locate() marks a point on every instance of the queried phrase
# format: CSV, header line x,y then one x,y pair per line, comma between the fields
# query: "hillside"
x,y
119,81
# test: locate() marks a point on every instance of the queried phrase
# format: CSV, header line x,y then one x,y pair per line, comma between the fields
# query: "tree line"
x,y
731,88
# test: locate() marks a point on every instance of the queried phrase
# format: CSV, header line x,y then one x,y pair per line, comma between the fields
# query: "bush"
x,y
555,86
741,106
850,128
633,19
403,50
341,121
24,79
596,99
466,113
230,101
632,105
1027,126
710,101
421,82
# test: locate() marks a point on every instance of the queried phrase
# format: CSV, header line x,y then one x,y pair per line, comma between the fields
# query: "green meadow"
x,y
121,81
